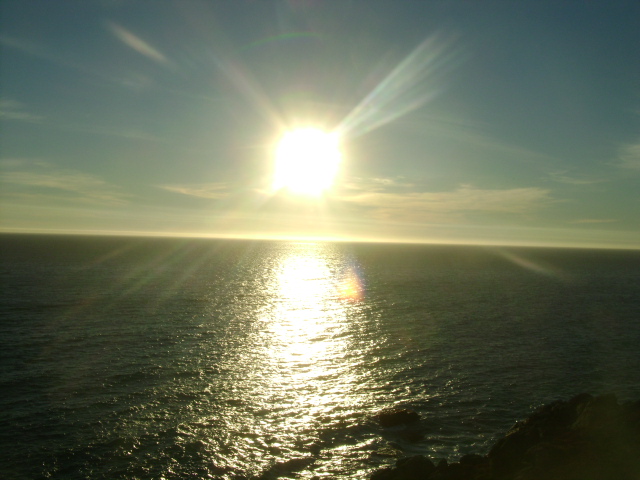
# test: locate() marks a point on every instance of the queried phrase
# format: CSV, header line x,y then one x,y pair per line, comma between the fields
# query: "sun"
x,y
306,161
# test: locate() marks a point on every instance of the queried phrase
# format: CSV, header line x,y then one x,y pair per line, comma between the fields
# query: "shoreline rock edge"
x,y
584,438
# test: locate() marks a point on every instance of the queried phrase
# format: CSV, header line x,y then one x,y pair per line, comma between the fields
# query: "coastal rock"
x,y
473,459
386,473
395,417
550,421
584,438
599,414
453,471
417,467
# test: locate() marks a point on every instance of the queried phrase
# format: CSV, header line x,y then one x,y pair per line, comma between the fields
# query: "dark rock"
x,y
416,467
453,471
473,459
632,410
392,418
580,399
599,414
507,455
554,459
585,438
383,474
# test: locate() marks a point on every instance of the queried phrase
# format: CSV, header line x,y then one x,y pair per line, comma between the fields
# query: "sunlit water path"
x,y
142,358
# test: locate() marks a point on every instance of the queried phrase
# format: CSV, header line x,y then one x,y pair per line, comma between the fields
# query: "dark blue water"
x,y
168,358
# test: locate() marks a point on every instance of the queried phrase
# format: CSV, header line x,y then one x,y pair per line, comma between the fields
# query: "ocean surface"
x,y
139,358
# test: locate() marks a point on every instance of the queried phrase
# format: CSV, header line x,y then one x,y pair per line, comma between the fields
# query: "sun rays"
x,y
307,159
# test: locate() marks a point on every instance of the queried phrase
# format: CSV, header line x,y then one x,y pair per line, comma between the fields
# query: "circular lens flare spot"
x,y
351,287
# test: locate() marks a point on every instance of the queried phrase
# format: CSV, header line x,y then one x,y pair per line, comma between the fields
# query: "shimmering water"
x,y
165,358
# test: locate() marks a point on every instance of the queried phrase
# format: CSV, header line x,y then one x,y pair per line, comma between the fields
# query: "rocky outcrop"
x,y
585,438
399,416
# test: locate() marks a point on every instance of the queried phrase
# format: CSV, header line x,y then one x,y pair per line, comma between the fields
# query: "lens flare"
x,y
351,287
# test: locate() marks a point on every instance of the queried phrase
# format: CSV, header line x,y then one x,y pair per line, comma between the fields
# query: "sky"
x,y
494,122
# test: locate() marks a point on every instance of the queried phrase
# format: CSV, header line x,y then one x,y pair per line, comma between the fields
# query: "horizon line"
x,y
302,238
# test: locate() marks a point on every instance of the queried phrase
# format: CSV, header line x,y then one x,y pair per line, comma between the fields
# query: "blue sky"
x,y
473,122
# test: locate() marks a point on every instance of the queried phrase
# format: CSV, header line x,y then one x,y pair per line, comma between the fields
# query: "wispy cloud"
x,y
104,72
14,163
117,131
464,199
26,46
41,51
136,43
43,181
377,184
563,177
595,220
630,156
212,191
13,110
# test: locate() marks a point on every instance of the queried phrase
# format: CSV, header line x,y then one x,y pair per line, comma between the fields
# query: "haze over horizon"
x,y
459,122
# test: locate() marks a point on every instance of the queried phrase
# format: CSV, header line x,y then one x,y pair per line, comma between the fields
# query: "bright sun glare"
x,y
307,161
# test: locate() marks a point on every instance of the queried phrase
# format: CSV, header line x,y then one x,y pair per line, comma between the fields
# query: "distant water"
x,y
163,358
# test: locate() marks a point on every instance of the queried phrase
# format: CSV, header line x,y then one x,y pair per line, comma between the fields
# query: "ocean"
x,y
158,358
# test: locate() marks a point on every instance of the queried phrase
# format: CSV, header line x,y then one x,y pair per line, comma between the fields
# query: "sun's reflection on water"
x,y
307,323
305,375
293,380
